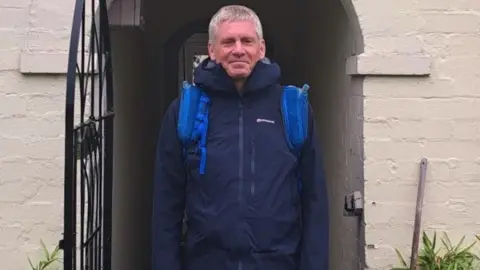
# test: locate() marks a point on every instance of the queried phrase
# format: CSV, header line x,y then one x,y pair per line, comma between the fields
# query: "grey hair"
x,y
234,13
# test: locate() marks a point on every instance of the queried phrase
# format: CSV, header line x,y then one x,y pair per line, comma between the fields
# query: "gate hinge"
x,y
353,204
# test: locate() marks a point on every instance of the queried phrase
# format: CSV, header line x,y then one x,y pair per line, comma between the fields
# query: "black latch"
x,y
353,204
61,244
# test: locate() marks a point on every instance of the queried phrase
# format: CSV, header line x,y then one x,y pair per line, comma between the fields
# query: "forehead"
x,y
232,29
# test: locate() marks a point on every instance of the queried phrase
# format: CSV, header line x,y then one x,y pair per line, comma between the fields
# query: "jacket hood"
x,y
212,77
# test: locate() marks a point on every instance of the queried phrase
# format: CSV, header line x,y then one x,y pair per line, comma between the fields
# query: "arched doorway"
x,y
311,39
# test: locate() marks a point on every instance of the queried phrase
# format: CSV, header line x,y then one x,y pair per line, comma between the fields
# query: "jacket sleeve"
x,y
168,195
315,217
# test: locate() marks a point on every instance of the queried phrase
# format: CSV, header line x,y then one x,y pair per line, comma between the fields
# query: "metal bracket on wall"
x,y
353,204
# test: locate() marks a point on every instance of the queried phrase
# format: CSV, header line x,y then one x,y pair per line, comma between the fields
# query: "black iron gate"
x,y
88,141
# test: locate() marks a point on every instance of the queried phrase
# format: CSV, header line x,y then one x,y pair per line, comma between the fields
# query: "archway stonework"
x,y
393,66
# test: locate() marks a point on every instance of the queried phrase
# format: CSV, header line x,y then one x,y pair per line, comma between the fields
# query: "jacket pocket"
x,y
295,190
252,168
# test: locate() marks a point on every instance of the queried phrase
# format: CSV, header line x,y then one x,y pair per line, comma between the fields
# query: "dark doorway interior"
x,y
309,39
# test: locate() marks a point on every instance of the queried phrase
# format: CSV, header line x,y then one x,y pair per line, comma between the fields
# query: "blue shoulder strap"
x,y
192,123
294,106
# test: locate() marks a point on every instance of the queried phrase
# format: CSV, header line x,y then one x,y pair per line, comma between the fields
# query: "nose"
x,y
238,50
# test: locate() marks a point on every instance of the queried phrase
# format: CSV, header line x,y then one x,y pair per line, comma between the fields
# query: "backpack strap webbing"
x,y
192,126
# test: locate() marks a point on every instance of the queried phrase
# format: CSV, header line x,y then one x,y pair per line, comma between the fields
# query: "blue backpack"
x,y
192,126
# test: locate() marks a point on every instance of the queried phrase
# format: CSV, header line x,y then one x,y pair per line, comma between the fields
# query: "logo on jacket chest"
x,y
264,120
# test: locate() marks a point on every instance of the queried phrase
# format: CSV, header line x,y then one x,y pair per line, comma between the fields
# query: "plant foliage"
x,y
451,257
49,258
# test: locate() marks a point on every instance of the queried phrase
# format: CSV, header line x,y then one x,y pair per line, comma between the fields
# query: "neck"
x,y
239,84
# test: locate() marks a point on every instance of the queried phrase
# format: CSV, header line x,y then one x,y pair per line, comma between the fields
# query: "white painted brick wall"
x,y
31,138
407,118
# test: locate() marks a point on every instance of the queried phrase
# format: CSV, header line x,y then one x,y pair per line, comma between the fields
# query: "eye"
x,y
228,41
247,40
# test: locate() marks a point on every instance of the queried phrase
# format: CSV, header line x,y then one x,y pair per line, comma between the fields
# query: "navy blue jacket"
x,y
245,212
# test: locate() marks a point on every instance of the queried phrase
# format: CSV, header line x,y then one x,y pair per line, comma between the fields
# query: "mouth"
x,y
238,62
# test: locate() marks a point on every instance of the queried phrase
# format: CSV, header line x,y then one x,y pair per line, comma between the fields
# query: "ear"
x,y
211,51
263,49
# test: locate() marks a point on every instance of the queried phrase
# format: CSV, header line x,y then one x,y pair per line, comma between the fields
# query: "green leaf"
x,y
400,257
49,258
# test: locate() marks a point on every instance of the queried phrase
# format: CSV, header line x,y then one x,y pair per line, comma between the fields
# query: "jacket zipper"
x,y
240,148
240,165
252,169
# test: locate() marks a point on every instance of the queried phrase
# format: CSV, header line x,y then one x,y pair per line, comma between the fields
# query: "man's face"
x,y
237,48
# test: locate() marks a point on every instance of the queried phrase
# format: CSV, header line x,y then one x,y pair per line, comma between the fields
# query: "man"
x,y
245,212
